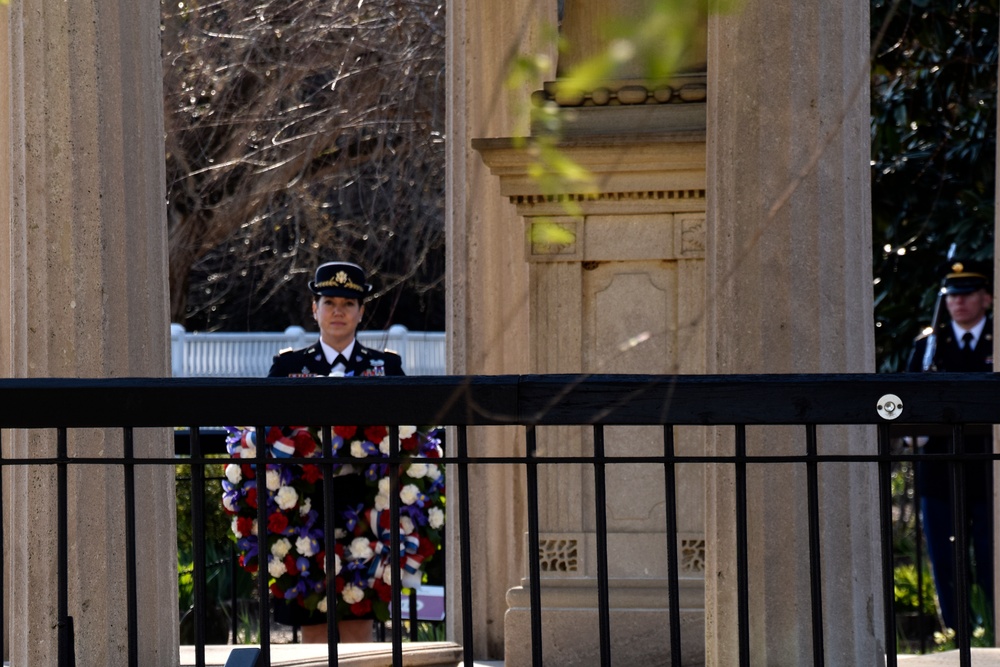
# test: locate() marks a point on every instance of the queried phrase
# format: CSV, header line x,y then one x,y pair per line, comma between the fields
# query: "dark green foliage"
x,y
934,96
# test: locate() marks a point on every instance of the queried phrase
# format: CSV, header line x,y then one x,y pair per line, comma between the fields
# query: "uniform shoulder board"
x,y
389,351
285,351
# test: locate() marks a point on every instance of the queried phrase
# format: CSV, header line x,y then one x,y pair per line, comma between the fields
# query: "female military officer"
x,y
339,290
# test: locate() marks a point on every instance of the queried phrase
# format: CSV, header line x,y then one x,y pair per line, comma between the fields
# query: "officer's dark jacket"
x,y
933,477
311,361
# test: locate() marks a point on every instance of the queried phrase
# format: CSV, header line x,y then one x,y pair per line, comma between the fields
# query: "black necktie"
x,y
339,360
967,342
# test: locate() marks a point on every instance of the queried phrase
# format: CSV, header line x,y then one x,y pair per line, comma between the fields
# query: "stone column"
x,y
789,291
621,292
86,296
487,290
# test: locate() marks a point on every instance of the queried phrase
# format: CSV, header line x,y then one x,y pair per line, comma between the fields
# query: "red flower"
x,y
304,444
339,584
321,559
384,590
252,497
376,433
361,608
311,473
248,472
345,432
426,547
277,522
410,444
385,520
273,434
290,565
244,525
276,591
433,453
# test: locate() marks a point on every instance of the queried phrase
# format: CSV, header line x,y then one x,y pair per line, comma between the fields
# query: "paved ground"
x,y
423,654
981,657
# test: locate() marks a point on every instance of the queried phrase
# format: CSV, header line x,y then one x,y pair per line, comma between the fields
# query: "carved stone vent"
x,y
692,555
559,555
650,195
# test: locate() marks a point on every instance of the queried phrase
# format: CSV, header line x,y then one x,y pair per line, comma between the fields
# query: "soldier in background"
x,y
962,343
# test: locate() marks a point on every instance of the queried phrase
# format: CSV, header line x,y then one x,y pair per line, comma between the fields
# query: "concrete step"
x,y
420,654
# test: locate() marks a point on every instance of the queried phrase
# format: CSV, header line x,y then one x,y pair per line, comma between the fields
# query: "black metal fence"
x,y
952,402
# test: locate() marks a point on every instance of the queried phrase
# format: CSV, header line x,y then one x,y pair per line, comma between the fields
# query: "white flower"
x,y
286,497
384,445
305,507
233,473
352,594
417,470
276,568
357,451
433,471
227,502
406,432
384,485
304,546
408,494
435,518
273,480
360,549
321,605
236,532
406,524
382,502
281,548
336,565
253,531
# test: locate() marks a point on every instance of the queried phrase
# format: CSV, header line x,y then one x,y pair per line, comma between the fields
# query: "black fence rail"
x,y
953,403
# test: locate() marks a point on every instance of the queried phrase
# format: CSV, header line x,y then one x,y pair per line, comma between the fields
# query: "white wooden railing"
x,y
196,354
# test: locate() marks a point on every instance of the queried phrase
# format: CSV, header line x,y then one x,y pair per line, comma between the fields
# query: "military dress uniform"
x,y
933,478
311,361
346,280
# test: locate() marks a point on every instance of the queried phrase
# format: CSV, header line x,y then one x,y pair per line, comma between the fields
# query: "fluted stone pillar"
x,y
487,279
85,296
789,291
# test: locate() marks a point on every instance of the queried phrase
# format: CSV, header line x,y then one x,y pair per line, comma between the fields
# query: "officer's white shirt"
x,y
976,332
331,354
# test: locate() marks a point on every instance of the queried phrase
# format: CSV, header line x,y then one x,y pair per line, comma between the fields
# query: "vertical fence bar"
x,y
198,546
885,519
742,560
65,637
3,550
233,600
815,558
963,633
465,544
329,531
919,549
397,579
130,551
263,603
673,579
601,515
534,569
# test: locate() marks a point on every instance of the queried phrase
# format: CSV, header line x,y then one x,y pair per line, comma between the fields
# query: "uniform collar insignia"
x,y
305,369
